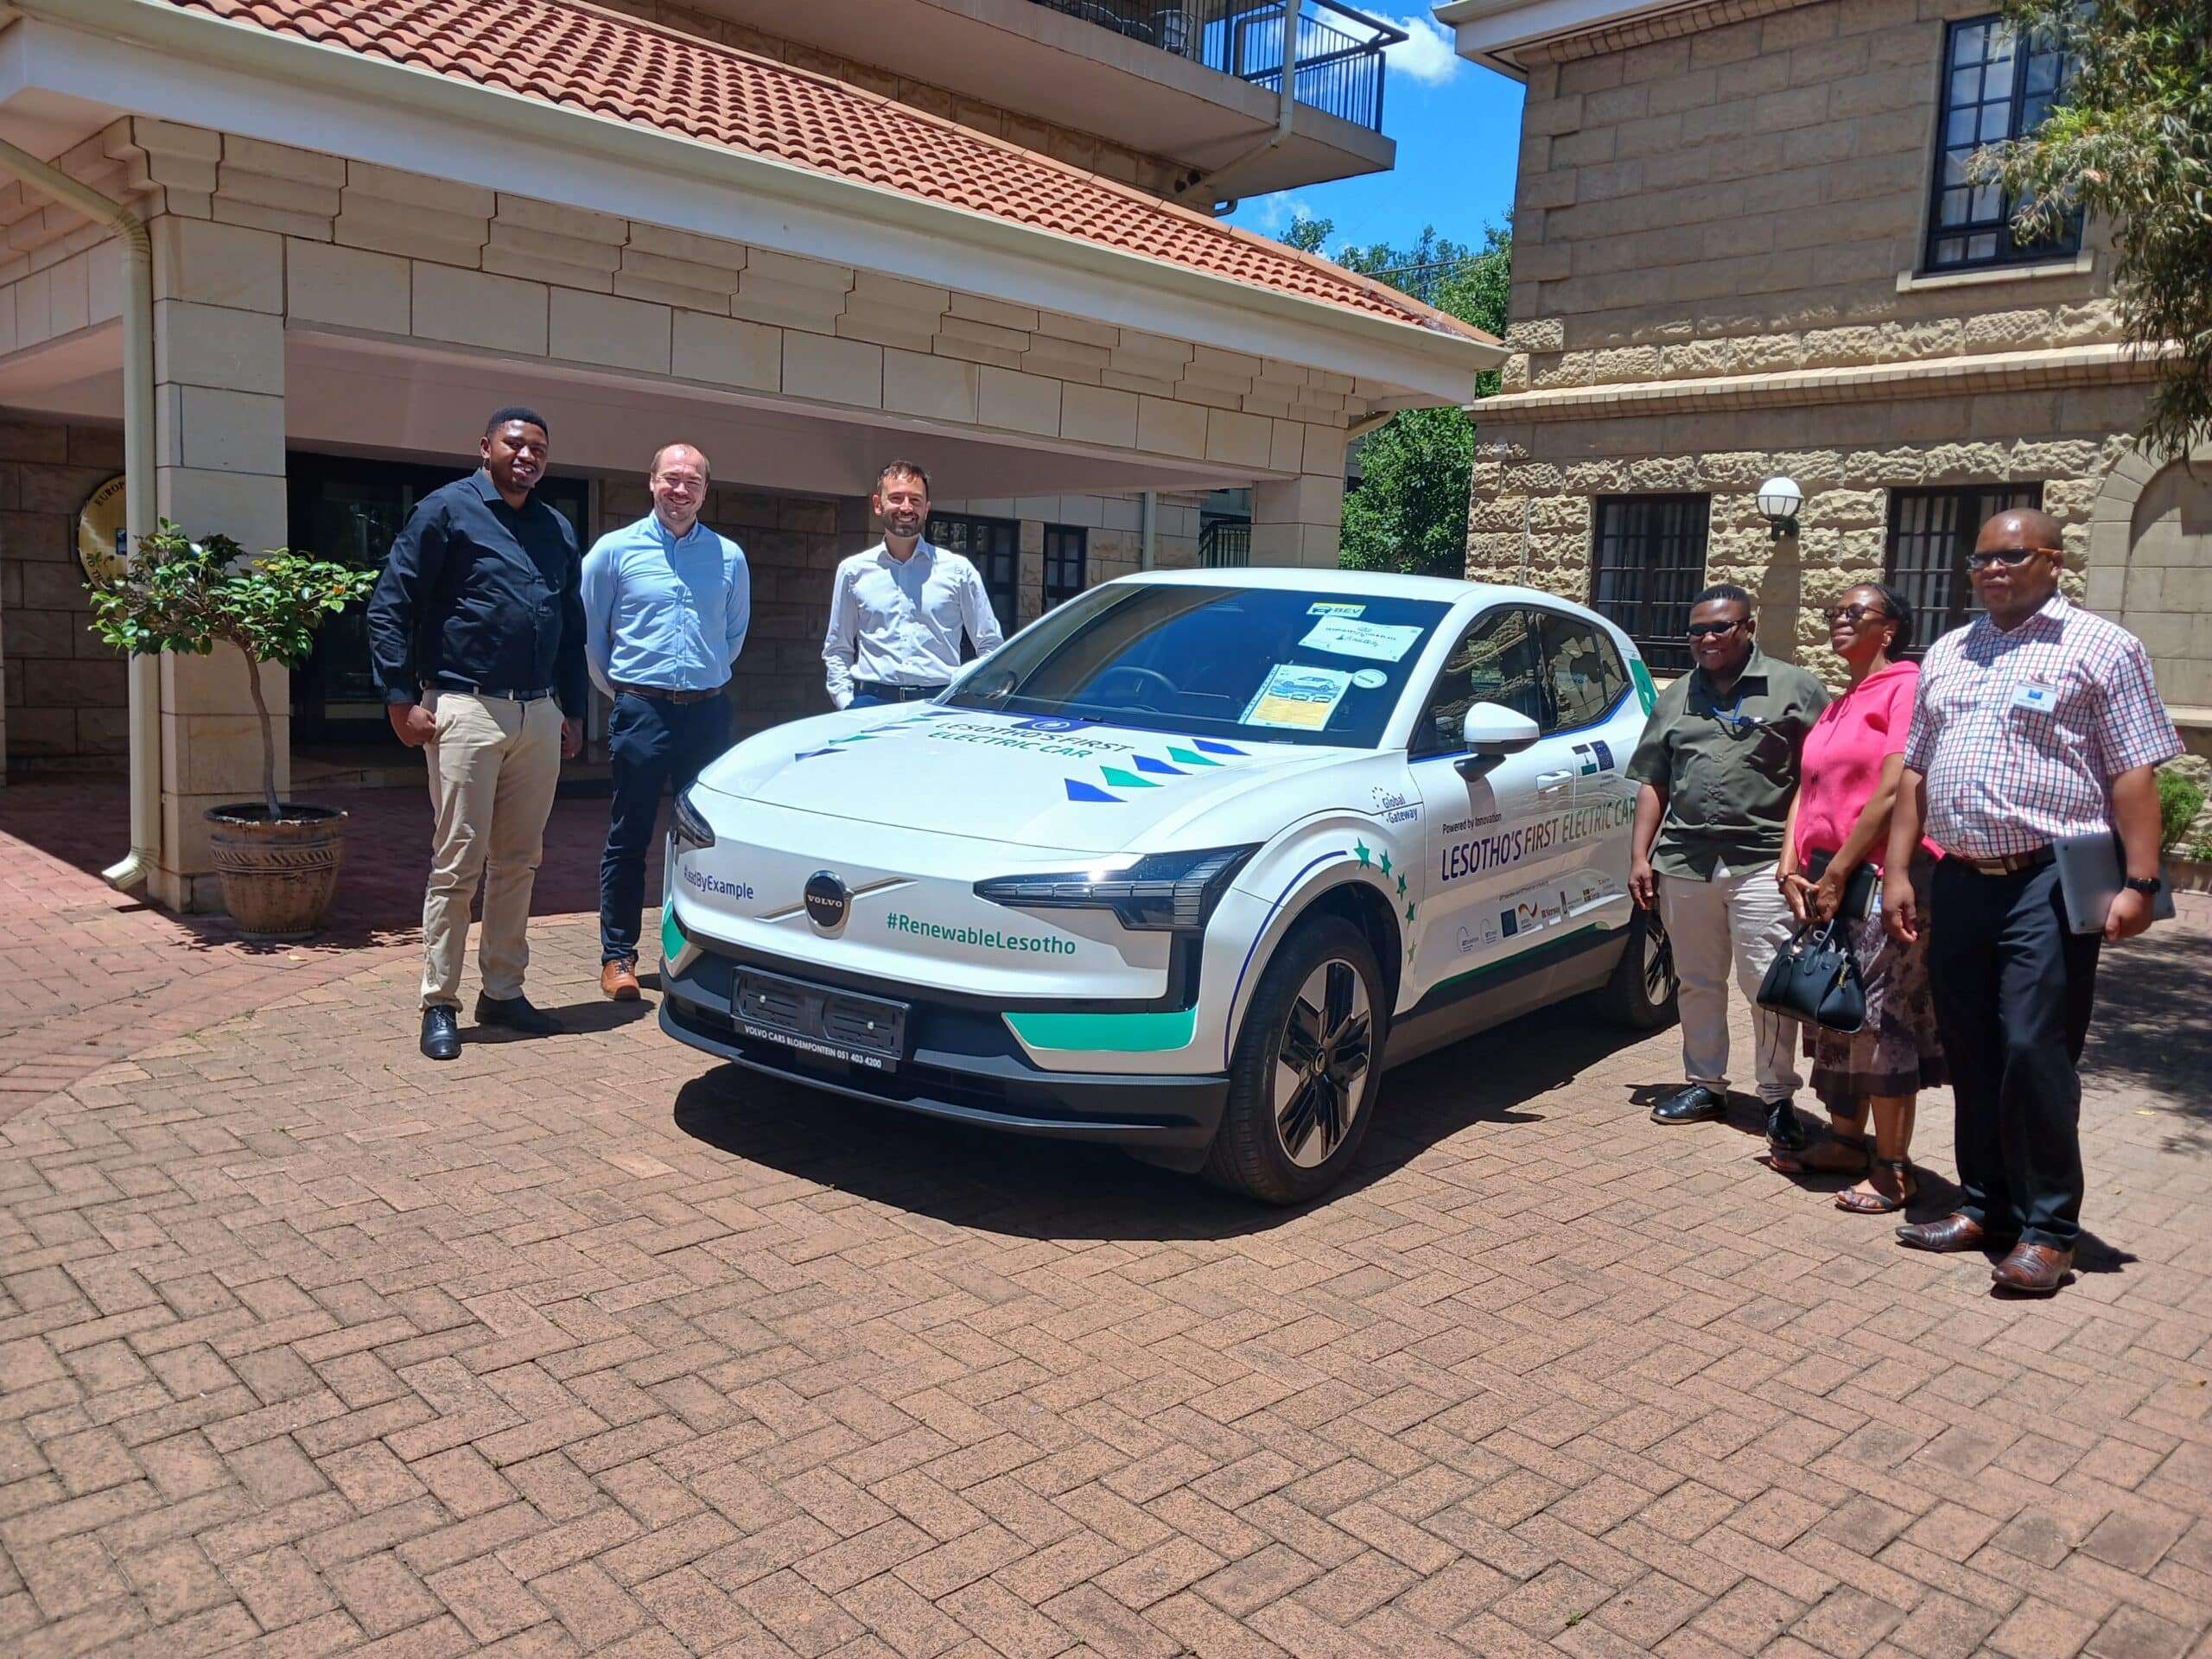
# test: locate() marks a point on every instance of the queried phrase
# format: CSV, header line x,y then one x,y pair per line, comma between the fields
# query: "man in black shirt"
x,y
476,635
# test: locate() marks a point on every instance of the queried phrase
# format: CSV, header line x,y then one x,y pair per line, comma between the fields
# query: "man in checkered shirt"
x,y
2035,722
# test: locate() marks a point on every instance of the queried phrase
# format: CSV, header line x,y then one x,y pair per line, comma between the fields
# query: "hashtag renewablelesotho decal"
x,y
1024,943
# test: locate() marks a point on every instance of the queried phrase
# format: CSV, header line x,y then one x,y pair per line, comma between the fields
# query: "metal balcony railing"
x,y
1226,544
1338,70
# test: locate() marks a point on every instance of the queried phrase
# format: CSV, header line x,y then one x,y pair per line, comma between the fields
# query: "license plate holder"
x,y
868,1032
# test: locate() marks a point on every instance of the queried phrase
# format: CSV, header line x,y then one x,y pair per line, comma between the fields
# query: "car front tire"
x,y
1641,994
1307,1065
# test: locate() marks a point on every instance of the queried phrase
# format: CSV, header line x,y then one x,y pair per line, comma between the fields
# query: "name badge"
x,y
2036,695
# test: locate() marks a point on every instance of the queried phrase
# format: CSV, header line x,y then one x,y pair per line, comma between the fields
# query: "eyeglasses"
x,y
1979,560
1699,630
1856,613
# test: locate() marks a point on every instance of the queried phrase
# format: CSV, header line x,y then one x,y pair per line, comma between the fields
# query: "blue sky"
x,y
1459,133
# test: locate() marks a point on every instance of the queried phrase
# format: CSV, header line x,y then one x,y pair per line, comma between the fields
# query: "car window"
x,y
1583,675
1499,659
1262,664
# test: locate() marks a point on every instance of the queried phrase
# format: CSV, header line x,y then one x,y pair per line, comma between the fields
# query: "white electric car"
x,y
1180,867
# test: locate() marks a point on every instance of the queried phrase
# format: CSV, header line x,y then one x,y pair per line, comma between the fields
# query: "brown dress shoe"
x,y
618,979
1952,1233
2033,1271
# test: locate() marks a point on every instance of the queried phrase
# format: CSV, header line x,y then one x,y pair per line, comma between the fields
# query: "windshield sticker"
x,y
1370,679
1380,642
1297,699
1325,607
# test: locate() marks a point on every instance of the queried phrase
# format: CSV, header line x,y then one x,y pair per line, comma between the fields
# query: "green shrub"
x,y
2179,801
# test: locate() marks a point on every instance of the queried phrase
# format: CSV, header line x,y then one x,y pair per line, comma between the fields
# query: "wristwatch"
x,y
2147,884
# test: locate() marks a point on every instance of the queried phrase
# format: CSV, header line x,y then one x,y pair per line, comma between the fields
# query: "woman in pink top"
x,y
1839,827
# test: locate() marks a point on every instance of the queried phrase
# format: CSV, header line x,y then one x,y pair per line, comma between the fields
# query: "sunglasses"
x,y
1699,630
1855,614
1979,560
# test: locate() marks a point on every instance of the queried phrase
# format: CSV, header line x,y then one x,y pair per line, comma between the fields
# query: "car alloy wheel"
x,y
1322,1063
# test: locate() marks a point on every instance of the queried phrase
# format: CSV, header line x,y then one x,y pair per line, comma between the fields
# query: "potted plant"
x,y
2188,854
277,860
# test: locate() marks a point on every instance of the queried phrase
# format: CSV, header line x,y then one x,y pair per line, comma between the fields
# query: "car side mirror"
x,y
1489,733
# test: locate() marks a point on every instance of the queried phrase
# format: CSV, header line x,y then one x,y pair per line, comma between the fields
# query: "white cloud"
x,y
1426,53
1277,214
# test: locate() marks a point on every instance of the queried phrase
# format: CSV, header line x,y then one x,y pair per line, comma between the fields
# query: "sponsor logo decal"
x,y
1592,758
1394,808
1483,854
715,885
1460,826
981,938
828,900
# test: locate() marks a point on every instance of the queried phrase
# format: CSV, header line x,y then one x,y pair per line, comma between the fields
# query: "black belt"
x,y
890,693
454,684
2005,864
667,693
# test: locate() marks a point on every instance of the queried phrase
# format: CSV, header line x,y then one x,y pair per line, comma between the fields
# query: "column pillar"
x,y
219,396
1298,521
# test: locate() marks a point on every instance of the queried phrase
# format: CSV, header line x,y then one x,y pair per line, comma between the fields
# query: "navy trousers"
x,y
2013,989
654,745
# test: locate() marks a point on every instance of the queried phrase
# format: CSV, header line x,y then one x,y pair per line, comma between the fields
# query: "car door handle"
x,y
1553,779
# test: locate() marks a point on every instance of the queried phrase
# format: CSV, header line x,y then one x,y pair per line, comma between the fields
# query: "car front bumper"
x,y
962,1065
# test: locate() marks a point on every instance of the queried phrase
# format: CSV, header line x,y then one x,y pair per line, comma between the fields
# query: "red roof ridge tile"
x,y
629,79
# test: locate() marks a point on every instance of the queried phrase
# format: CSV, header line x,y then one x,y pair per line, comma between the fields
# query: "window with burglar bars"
x,y
1996,87
1931,532
1066,550
1647,565
994,547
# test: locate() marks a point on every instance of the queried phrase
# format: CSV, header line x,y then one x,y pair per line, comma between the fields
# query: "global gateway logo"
x,y
716,886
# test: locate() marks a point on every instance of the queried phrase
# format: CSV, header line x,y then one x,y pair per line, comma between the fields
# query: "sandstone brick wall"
x,y
67,692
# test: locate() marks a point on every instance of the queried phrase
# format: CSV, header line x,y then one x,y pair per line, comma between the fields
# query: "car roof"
x,y
1376,583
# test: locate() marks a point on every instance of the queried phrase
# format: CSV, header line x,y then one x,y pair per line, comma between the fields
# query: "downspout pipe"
x,y
145,716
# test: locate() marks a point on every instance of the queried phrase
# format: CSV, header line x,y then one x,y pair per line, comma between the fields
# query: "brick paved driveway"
x,y
307,1345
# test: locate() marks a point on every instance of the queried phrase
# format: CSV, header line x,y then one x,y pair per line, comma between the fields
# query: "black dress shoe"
x,y
1693,1105
1785,1130
516,1014
441,1032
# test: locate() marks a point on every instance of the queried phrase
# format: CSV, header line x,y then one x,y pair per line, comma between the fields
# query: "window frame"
x,y
1005,593
2008,251
1973,505
1058,593
1664,652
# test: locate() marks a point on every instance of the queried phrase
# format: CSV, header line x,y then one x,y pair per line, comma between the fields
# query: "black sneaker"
x,y
1785,1130
441,1032
516,1014
1695,1104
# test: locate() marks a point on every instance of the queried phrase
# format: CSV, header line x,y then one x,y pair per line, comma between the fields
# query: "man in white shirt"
x,y
897,611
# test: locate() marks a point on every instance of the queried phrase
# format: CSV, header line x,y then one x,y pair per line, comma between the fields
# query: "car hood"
x,y
1082,786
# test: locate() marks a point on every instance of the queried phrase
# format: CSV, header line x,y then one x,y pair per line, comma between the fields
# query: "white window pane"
x,y
1996,123
1982,247
1966,87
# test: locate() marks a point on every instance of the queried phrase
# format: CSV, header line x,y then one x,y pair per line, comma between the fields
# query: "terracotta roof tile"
x,y
600,63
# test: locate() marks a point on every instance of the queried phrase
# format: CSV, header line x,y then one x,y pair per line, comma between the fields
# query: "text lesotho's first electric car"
x,y
1180,866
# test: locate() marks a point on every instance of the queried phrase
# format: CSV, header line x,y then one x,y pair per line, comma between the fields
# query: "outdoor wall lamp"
x,y
1779,499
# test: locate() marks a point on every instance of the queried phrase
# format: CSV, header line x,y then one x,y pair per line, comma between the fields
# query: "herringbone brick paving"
x,y
584,1345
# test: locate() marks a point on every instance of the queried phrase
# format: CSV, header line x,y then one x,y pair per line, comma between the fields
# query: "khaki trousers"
x,y
493,763
1739,919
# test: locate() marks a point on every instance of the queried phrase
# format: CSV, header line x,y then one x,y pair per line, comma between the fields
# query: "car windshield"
x,y
1262,664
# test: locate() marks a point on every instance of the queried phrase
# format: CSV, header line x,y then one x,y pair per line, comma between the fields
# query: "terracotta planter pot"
x,y
2188,875
278,875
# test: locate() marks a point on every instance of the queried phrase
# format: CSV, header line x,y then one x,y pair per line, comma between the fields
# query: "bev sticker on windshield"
x,y
1343,636
1329,607
1297,699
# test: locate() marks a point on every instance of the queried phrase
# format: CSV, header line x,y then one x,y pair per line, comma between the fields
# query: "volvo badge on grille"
x,y
828,900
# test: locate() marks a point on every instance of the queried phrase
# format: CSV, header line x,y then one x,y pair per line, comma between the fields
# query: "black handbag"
x,y
1815,978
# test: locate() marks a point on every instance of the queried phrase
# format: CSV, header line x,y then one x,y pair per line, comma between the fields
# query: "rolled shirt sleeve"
x,y
395,612
597,585
2134,728
839,644
1653,761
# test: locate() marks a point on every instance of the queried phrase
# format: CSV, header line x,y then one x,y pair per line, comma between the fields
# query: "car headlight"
x,y
1161,893
687,829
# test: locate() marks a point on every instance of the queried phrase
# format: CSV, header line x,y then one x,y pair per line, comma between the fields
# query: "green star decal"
x,y
1386,863
1401,886
1360,850
1410,911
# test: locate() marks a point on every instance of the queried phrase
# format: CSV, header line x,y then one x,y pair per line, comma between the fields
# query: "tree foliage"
x,y
1409,513
2132,143
189,596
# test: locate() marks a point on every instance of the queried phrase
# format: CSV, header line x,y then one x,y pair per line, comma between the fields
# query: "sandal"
x,y
1837,1155
1879,1203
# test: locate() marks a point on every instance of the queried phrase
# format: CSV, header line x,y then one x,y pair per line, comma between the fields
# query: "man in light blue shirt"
x,y
666,603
